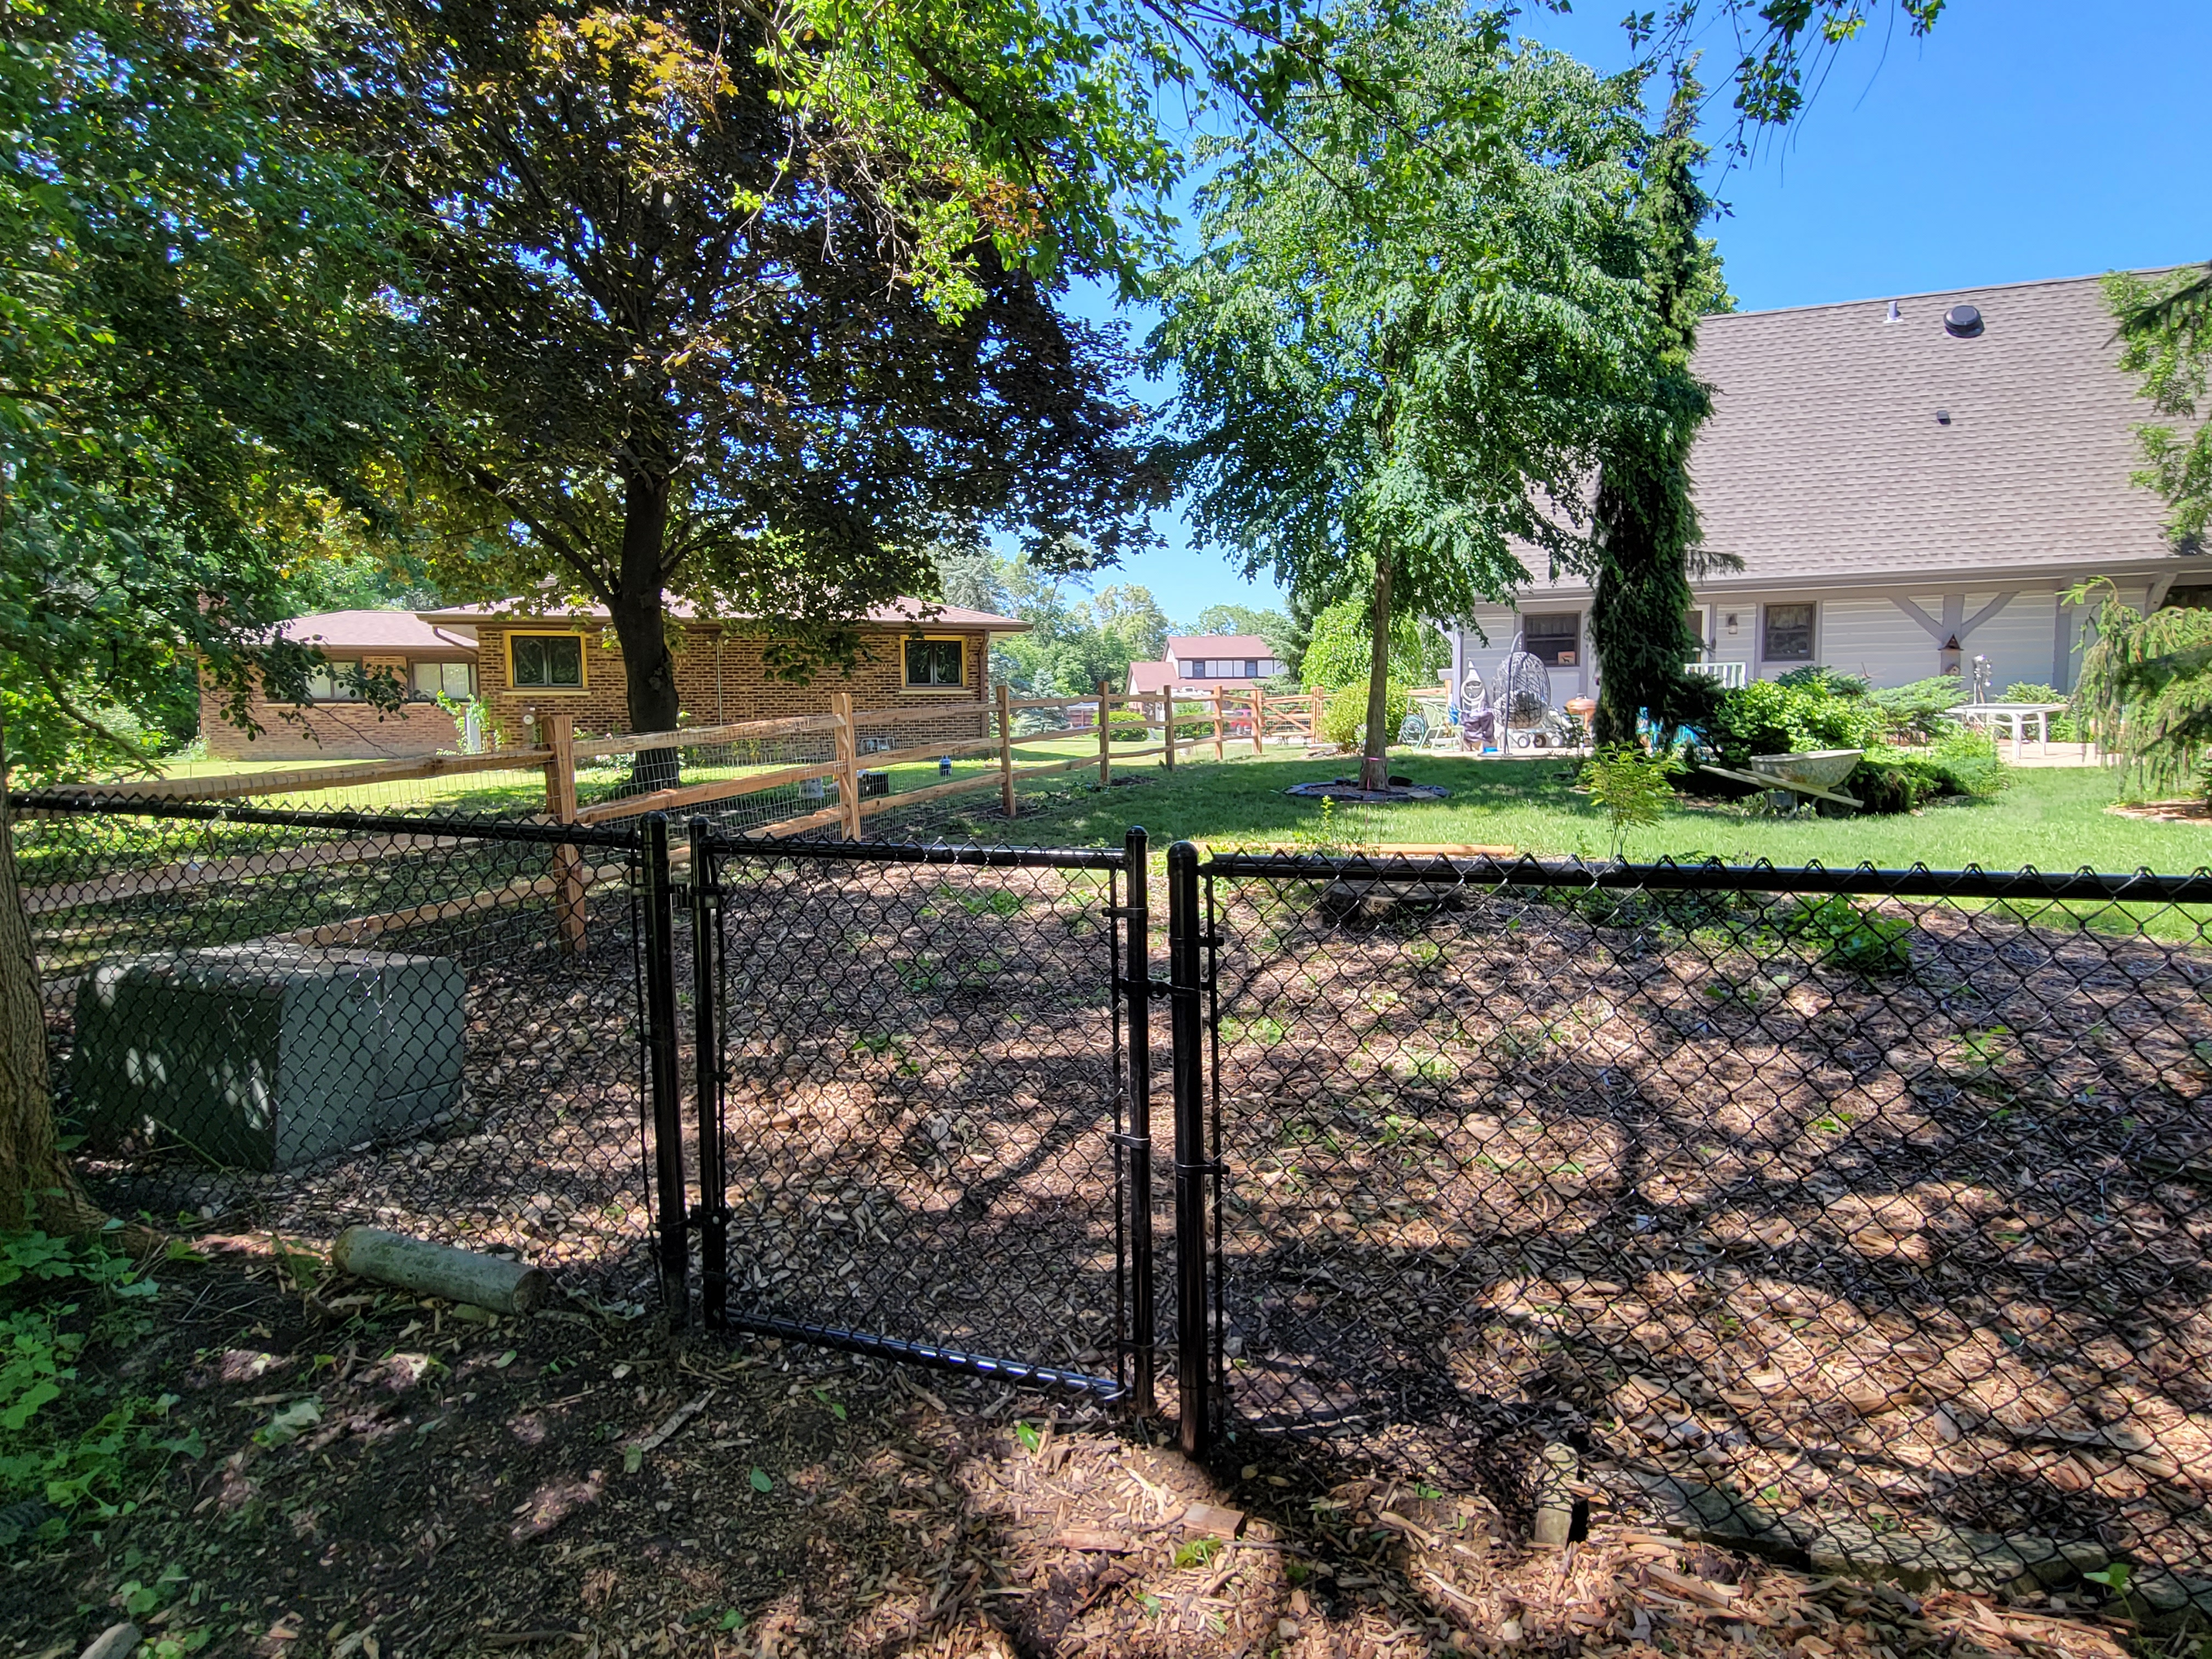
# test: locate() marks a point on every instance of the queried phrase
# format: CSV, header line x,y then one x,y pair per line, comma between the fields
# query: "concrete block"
x,y
267,1055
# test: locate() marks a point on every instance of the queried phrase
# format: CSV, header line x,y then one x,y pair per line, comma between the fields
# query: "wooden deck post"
x,y
1005,749
1105,739
1259,721
1220,725
557,734
848,764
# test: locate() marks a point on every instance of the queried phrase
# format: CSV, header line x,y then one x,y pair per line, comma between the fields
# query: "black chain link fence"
x,y
295,1022
1865,1215
921,1146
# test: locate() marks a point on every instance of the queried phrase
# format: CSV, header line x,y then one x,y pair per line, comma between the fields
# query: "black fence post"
x,y
1136,917
707,1071
660,1068
1194,1361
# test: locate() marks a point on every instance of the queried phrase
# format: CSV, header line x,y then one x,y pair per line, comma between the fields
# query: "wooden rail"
x,y
235,785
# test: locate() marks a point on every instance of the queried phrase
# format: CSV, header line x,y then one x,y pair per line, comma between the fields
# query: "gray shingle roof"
x,y
1824,459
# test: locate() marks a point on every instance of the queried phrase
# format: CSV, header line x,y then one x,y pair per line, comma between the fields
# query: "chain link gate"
x,y
921,1123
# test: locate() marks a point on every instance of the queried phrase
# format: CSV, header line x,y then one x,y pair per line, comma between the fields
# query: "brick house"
x,y
533,661
429,659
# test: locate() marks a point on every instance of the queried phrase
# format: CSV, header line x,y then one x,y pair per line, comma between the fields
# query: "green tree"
x,y
1130,613
1401,341
188,384
1647,536
1273,626
1339,650
2166,327
2145,689
675,336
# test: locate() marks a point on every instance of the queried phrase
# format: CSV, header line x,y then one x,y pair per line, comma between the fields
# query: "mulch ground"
x,y
384,1479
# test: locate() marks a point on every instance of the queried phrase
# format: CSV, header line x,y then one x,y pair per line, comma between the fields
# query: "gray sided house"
x,y
1910,484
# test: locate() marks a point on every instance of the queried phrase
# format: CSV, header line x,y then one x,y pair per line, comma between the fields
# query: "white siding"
x,y
1868,634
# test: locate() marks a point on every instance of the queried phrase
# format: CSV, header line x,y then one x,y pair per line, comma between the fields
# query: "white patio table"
x,y
2018,717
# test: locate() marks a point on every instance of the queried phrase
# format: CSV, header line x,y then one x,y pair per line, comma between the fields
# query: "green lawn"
x,y
2052,818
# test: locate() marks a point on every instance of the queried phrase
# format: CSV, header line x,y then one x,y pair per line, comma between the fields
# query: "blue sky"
x,y
2021,139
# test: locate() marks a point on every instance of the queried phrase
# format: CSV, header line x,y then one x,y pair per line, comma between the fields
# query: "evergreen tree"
x,y
1646,533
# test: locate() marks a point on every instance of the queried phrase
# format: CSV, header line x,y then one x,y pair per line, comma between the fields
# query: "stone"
x,y
1561,1517
269,1054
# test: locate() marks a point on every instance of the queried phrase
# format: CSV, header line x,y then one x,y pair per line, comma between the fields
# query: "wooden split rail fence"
x,y
1182,725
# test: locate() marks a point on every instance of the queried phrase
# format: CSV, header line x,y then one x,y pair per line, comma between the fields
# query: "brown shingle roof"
x,y
374,630
1825,457
1217,644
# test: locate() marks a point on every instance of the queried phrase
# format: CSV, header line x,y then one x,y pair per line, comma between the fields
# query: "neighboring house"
x,y
1910,484
533,661
429,659
1200,662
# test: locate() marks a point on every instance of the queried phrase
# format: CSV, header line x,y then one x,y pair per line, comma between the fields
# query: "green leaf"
x,y
1029,1438
760,1480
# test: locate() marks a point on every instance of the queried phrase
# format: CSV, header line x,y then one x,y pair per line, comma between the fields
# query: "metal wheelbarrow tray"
x,y
1815,773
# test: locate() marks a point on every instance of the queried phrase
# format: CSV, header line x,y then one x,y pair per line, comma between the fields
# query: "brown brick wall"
x,y
328,731
738,688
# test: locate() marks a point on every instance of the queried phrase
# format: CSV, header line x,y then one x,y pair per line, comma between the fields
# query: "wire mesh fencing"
x,y
917,1142
295,1022
1862,1215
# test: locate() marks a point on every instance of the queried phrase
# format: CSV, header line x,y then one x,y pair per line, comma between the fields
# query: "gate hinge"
x,y
1212,1166
1154,987
1135,1142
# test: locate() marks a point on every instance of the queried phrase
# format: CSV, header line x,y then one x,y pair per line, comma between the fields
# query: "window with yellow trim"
x,y
936,664
545,662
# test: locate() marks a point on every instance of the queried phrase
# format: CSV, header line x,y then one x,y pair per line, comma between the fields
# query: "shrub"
x,y
1838,929
1887,780
1769,718
2062,726
1343,716
1832,682
1631,787
1916,713
1968,762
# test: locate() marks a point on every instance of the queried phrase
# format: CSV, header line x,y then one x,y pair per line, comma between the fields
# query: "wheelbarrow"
x,y
1815,773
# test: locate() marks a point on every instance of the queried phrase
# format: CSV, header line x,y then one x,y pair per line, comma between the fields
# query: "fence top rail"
x,y
2142,886
627,743
310,779
451,825
887,852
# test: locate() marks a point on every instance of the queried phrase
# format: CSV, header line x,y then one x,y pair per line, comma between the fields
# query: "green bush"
x,y
1831,682
1968,762
1840,930
1887,780
1915,712
1769,718
1343,716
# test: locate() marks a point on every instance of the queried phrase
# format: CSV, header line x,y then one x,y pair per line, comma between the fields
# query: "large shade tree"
x,y
1404,338
676,337
180,399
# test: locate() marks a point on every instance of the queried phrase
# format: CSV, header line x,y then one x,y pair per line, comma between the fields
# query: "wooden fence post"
x,y
557,732
1105,740
1168,725
1259,721
1220,725
1005,749
848,764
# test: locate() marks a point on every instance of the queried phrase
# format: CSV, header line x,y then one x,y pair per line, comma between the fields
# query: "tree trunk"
x,y
36,1182
650,666
1375,760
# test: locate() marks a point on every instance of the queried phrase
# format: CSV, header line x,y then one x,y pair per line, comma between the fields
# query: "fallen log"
x,y
415,1264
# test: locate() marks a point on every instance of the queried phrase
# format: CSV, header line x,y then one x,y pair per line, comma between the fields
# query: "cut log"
x,y
415,1264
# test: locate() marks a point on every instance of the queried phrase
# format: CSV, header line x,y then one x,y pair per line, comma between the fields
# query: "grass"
x,y
2053,818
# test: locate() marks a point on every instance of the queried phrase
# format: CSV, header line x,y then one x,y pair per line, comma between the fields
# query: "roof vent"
x,y
1895,315
1942,417
1962,322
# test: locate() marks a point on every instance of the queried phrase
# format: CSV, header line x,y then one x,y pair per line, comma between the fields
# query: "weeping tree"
x,y
2145,690
1647,538
1404,334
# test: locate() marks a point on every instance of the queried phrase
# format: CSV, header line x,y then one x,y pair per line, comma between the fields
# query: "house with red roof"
x,y
520,659
1197,663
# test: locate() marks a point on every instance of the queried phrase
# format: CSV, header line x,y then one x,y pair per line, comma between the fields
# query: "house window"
x,y
1251,668
456,680
1552,639
1788,635
337,681
934,664
545,662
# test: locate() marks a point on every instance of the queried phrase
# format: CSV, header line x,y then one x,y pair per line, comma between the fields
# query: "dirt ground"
x,y
384,1479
